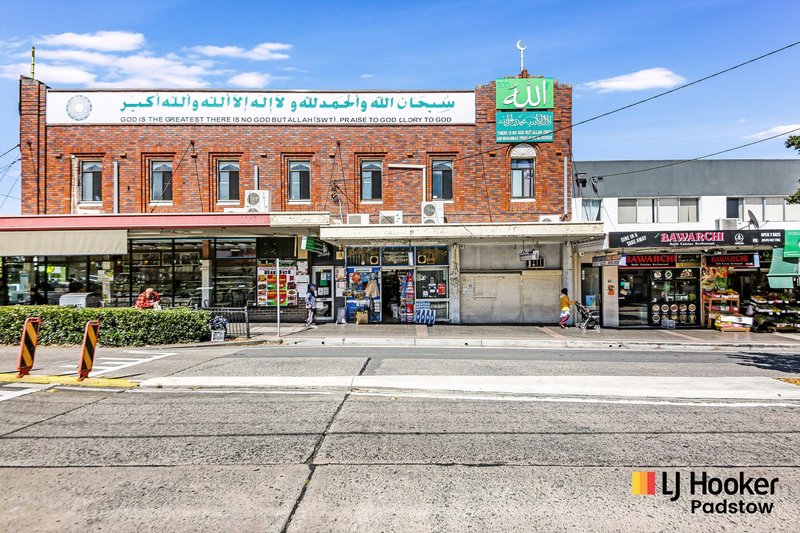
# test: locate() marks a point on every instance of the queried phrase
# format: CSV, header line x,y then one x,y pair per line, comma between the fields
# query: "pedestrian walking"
x,y
311,305
565,308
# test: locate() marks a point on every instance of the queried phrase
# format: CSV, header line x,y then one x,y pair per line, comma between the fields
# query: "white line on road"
x,y
106,365
16,390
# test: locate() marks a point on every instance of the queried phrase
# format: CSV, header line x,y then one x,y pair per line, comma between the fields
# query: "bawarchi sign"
x,y
247,108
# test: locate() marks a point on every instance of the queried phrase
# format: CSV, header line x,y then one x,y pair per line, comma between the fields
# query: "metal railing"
x,y
238,321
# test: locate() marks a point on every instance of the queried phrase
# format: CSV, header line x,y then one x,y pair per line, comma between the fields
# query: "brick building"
x,y
429,195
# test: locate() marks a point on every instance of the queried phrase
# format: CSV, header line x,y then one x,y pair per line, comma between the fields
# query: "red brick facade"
x,y
481,171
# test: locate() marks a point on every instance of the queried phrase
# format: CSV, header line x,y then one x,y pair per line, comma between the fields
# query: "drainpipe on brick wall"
x,y
566,182
116,187
256,177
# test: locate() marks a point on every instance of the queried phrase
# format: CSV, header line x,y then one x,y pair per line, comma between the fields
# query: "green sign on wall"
x,y
524,93
532,126
791,246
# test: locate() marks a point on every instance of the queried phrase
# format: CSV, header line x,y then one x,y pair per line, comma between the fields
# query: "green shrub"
x,y
118,326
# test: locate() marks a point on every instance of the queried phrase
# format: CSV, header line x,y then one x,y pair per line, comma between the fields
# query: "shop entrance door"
x,y
323,279
391,283
590,289
633,298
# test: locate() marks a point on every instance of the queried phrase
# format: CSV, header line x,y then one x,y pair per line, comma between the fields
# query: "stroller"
x,y
588,318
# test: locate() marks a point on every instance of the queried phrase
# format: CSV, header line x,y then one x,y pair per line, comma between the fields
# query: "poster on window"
x,y
277,288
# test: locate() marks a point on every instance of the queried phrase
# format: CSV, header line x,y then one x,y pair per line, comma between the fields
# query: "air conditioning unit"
x,y
533,255
549,218
256,201
433,212
391,217
361,219
535,263
727,223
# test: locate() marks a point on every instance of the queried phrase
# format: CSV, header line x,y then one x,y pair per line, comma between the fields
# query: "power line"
x,y
9,150
701,157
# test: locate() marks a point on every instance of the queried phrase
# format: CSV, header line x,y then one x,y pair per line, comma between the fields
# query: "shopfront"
x,y
654,288
390,282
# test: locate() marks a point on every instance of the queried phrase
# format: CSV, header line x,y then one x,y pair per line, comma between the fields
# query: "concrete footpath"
x,y
532,337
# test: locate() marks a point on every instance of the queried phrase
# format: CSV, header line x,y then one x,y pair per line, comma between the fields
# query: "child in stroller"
x,y
588,319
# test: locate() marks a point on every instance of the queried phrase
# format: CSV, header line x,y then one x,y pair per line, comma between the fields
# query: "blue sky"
x,y
614,53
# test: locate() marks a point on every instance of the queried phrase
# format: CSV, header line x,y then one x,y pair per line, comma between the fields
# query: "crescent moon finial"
x,y
521,55
520,47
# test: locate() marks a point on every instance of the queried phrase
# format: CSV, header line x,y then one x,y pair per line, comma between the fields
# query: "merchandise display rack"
x,y
722,312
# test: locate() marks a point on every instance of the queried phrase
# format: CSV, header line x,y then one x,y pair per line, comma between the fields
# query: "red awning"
x,y
134,221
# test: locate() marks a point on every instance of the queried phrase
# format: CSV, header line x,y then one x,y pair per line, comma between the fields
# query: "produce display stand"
x,y
722,312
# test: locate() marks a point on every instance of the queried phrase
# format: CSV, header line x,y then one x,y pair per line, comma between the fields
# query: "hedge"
x,y
118,326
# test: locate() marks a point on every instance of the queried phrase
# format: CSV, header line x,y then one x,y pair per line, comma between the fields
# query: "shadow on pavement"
x,y
788,363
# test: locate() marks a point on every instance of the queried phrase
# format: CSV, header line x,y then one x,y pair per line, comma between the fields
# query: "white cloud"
x,y
777,130
651,78
260,52
251,80
367,76
50,74
105,41
78,56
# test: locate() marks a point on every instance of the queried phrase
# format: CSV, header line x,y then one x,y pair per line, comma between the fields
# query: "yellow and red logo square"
x,y
643,483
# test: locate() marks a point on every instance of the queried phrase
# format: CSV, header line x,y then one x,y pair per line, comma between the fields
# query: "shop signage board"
x,y
660,261
733,260
533,126
267,284
312,245
791,247
606,260
685,239
524,93
171,108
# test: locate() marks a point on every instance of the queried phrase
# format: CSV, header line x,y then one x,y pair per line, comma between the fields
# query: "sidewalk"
x,y
499,336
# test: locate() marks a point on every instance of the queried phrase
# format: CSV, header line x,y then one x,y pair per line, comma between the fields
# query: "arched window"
x,y
523,166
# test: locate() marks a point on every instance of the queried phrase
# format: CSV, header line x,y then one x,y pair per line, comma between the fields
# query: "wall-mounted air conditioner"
x,y
391,217
433,212
535,263
549,218
727,223
361,219
256,201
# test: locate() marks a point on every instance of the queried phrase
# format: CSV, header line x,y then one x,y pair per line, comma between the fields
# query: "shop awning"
x,y
783,270
74,242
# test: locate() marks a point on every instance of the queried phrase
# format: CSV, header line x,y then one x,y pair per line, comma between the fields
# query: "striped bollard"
x,y
27,347
90,337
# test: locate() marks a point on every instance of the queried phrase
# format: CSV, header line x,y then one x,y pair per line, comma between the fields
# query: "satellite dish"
x,y
753,219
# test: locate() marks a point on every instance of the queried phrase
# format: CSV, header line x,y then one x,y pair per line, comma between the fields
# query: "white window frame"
x,y
83,172
298,197
371,198
232,195
159,199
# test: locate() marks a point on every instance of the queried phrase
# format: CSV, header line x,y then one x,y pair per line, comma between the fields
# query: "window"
x,y
755,204
227,180
91,181
522,178
371,172
442,180
160,181
773,208
733,208
626,211
299,180
668,210
689,210
591,209
792,212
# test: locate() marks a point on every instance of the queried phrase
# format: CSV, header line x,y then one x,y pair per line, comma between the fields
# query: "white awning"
x,y
73,242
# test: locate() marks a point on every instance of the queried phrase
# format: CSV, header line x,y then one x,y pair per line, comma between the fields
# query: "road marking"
x,y
788,336
555,399
15,390
106,365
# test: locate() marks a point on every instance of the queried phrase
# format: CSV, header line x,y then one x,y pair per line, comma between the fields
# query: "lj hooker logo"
x,y
702,484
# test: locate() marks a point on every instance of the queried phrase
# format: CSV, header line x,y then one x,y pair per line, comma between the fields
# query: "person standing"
x,y
36,297
311,305
565,304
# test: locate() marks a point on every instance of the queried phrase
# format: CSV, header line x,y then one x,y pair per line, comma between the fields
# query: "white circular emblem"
x,y
79,107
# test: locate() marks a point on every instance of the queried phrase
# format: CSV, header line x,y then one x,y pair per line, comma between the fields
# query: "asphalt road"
x,y
245,460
